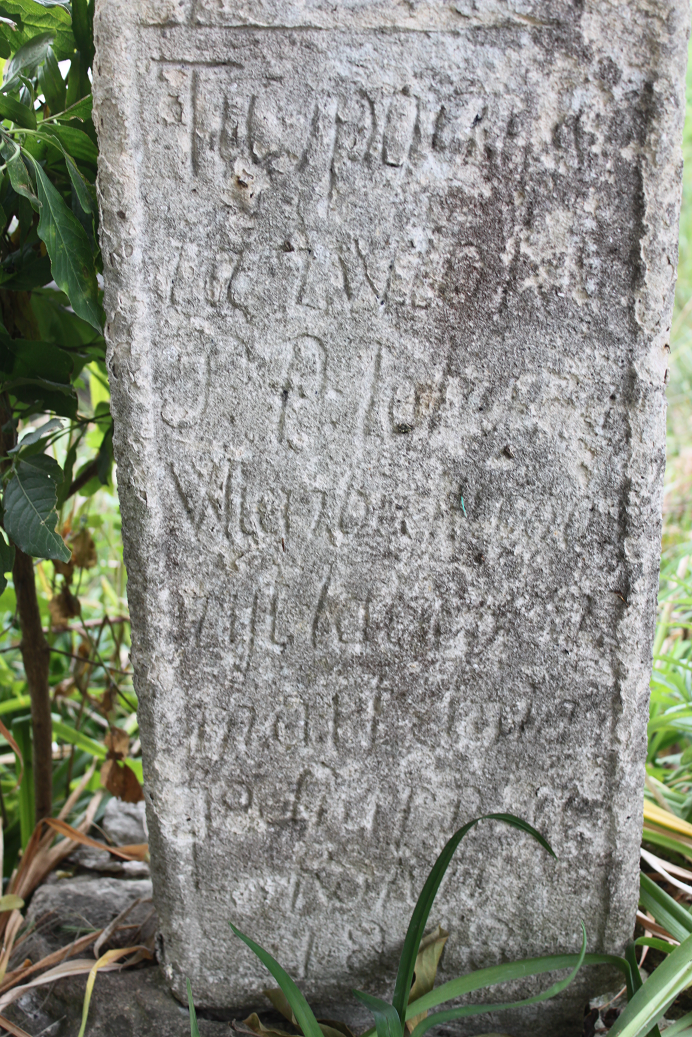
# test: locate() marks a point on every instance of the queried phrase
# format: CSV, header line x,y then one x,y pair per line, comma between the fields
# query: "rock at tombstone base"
x,y
389,290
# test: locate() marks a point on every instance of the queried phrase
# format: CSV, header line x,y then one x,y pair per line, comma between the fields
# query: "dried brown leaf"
x,y
137,852
117,742
254,1025
11,1027
63,607
83,550
65,569
121,781
330,1027
280,1003
427,961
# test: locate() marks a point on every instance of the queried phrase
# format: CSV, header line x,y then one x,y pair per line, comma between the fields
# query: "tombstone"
x,y
389,288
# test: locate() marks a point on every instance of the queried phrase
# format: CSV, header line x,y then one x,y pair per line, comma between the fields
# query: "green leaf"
x,y
74,141
78,84
68,247
52,83
62,326
25,270
105,456
17,112
680,1026
83,28
27,59
652,941
30,508
494,974
667,912
301,1009
426,899
19,176
65,733
194,1029
6,561
42,360
469,1010
651,1001
14,20
79,110
34,17
33,439
387,1022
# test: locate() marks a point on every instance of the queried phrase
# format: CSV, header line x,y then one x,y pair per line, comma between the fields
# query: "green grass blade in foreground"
x,y
651,1001
667,912
301,1009
637,982
681,1027
495,974
194,1028
468,1010
513,970
422,909
387,1022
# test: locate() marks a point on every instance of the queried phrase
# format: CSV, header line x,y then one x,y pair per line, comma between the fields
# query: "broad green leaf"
x,y
30,439
13,20
19,177
27,59
79,110
52,83
32,272
17,112
74,141
83,27
6,561
194,1029
44,360
35,17
667,912
301,1009
651,1001
63,732
78,84
30,508
68,247
387,1022
58,324
469,1010
426,899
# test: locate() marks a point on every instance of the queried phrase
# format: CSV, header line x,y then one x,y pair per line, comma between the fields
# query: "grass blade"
x,y
301,1009
680,1027
194,1028
667,912
468,1010
387,1022
422,909
650,1002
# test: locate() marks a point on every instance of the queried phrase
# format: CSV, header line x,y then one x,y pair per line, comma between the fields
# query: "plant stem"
x,y
36,657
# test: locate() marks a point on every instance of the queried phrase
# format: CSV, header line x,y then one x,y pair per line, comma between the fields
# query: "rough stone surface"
x,y
388,289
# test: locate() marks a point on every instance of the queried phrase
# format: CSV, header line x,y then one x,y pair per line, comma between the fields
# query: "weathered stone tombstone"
x,y
389,289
